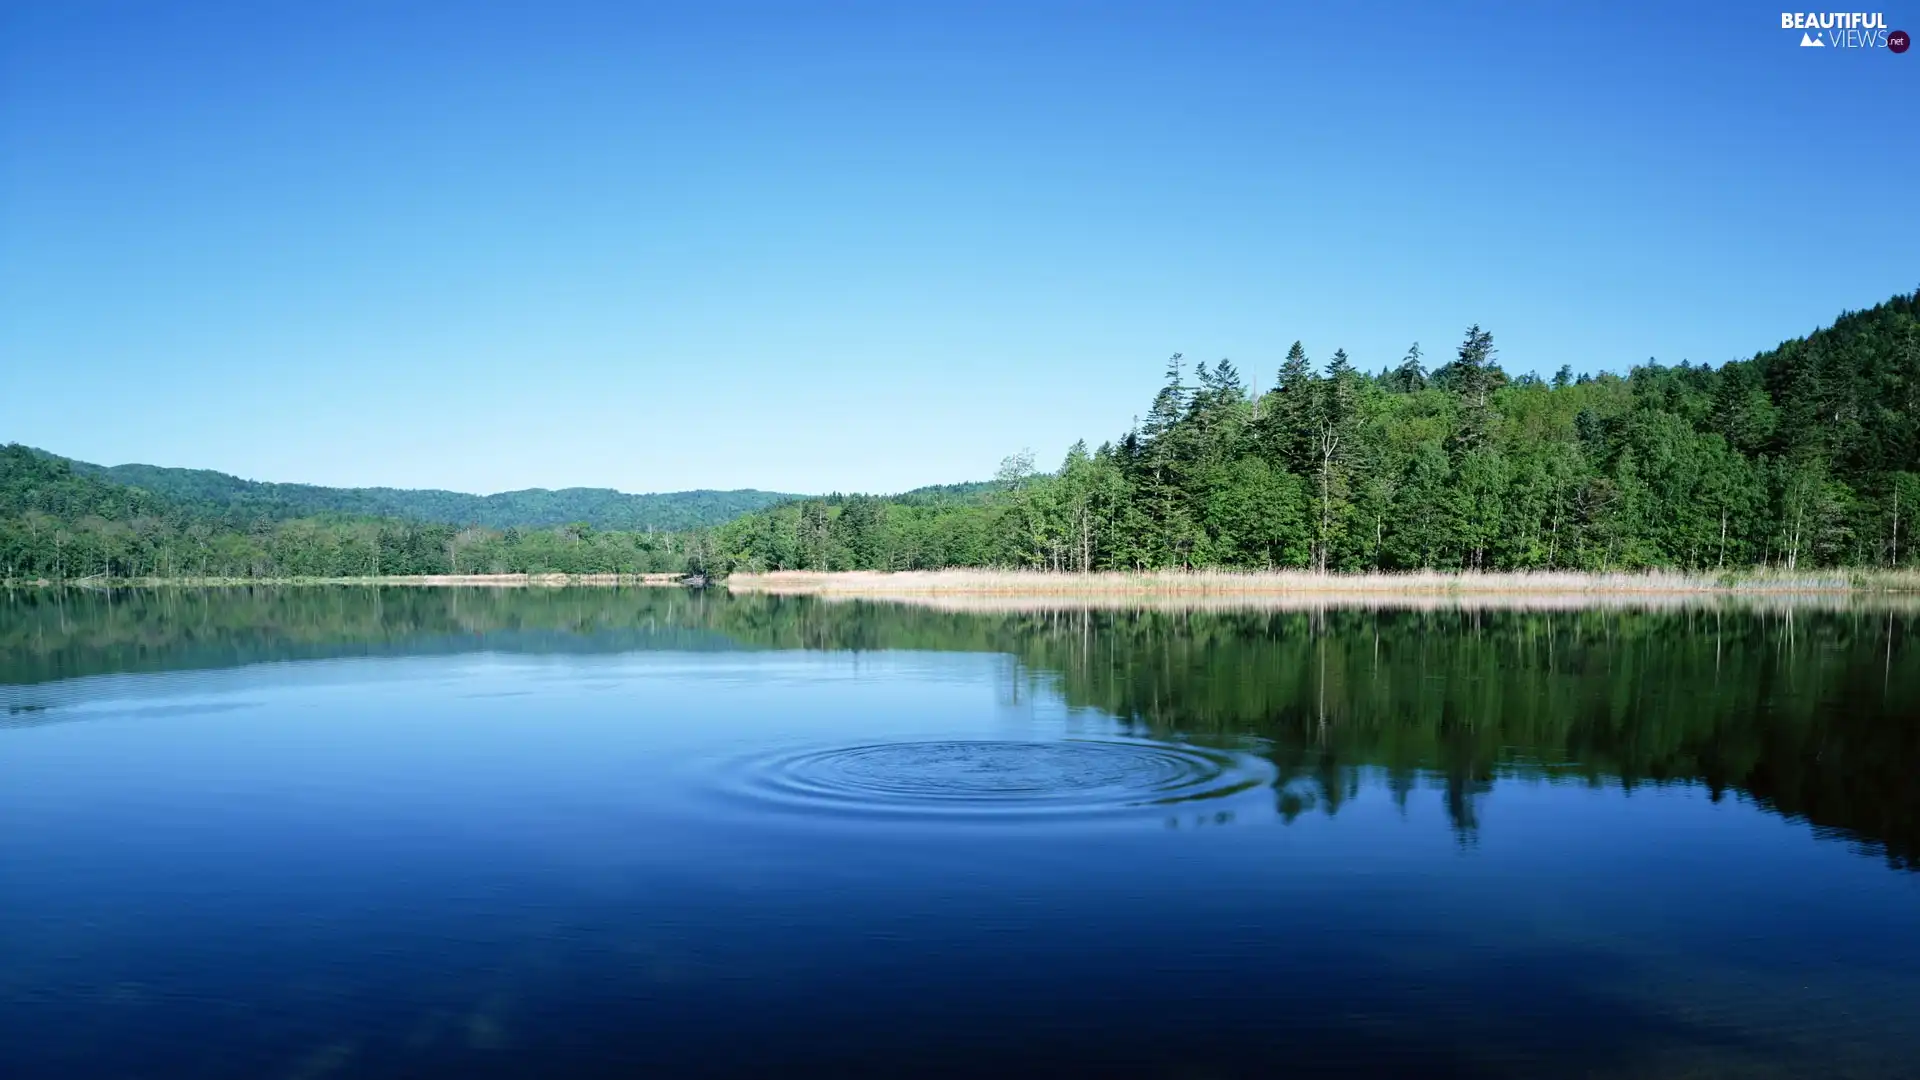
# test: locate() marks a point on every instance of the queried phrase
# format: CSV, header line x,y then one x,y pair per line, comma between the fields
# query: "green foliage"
x,y
1806,455
240,501
59,523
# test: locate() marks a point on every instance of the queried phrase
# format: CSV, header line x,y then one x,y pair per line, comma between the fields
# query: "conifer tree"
x,y
1410,377
1288,420
1472,380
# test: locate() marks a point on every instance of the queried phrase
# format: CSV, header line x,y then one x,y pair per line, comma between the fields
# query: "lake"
x,y
346,832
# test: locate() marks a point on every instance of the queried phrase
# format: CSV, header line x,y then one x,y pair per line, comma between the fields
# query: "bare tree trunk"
x,y
1896,523
1793,552
1329,443
1086,541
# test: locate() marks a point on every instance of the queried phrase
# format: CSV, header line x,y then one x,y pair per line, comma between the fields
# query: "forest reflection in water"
x,y
1807,708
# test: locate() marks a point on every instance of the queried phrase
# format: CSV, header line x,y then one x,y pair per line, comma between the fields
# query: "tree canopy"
x,y
1805,455
244,501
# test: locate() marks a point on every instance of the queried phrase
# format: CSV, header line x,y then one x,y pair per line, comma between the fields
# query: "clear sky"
x,y
813,247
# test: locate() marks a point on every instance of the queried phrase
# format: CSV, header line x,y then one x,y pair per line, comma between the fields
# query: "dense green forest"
x,y
1806,713
1805,455
61,523
65,520
245,501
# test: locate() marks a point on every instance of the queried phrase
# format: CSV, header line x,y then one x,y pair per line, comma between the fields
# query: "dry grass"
x,y
1230,588
1066,603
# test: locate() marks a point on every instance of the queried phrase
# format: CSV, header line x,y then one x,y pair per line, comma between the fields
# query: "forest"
x,y
61,524
1807,455
241,501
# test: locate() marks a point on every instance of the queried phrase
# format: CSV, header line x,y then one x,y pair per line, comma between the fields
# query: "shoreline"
x,y
965,587
1299,584
422,580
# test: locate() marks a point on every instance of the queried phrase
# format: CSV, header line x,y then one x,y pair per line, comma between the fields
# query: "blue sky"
x,y
818,247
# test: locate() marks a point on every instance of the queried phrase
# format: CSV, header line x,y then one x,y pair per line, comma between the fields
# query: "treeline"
x,y
240,503
1806,455
61,524
62,520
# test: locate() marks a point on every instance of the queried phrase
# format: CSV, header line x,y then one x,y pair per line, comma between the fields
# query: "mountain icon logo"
x,y
1808,41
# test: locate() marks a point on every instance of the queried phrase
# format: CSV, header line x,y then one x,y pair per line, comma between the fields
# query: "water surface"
x,y
393,832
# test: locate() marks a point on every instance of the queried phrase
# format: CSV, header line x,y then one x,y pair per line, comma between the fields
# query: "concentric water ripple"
x,y
992,778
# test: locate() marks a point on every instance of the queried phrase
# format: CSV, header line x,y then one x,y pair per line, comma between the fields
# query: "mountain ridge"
x,y
227,495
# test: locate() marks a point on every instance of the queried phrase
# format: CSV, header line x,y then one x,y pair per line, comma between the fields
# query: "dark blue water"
x,y
664,842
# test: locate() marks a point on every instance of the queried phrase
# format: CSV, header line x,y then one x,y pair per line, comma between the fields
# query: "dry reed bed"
x,y
1892,604
962,588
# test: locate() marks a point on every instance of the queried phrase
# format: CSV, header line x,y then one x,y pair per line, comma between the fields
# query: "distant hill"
x,y
36,482
222,495
64,520
972,491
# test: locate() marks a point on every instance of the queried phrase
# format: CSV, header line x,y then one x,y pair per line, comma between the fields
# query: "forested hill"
x,y
62,520
221,495
1804,455
61,523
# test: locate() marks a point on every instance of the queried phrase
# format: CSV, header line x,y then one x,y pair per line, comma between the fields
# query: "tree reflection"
x,y
1811,714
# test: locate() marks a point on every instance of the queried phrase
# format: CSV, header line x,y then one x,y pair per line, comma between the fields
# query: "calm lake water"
x,y
391,832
